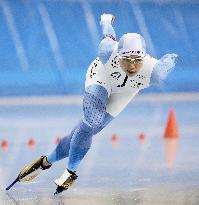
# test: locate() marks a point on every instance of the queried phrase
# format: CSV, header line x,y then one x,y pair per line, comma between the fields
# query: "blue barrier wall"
x,y
46,46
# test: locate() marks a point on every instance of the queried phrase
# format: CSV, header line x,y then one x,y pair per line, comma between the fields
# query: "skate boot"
x,y
65,181
31,171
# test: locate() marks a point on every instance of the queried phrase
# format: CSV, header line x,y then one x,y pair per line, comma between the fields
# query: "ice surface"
x,y
123,171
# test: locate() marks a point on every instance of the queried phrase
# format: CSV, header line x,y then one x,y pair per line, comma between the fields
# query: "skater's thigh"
x,y
94,105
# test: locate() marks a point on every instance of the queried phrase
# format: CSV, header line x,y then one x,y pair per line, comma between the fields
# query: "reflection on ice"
x,y
119,168
171,148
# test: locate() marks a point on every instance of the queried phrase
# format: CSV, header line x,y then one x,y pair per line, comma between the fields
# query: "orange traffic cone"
x,y
141,137
31,143
57,140
171,138
4,145
171,130
114,138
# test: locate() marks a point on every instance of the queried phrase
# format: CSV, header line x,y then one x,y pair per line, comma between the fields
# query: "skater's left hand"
x,y
168,62
164,66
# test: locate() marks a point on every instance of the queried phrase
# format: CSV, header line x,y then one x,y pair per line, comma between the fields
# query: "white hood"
x,y
132,44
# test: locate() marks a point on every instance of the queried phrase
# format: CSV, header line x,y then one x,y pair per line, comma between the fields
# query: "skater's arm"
x,y
162,68
108,42
107,28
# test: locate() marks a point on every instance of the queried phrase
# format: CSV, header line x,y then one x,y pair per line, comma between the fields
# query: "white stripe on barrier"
x,y
77,99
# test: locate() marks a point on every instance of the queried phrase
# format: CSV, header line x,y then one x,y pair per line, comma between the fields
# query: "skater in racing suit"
x,y
113,79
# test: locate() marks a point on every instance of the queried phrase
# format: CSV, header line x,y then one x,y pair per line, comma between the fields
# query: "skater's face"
x,y
131,64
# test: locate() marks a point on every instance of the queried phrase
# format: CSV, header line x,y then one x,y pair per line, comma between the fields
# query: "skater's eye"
x,y
138,60
132,60
127,59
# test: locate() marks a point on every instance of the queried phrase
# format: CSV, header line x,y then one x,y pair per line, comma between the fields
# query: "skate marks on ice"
x,y
155,195
99,180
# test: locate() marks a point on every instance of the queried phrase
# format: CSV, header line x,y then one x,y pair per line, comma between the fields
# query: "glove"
x,y
107,18
163,67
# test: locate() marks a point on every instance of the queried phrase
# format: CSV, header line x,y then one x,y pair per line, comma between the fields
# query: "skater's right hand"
x,y
107,18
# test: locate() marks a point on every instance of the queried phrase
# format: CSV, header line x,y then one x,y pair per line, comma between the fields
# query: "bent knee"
x,y
94,122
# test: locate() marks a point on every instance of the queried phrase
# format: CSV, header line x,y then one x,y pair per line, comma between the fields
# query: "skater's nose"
x,y
132,67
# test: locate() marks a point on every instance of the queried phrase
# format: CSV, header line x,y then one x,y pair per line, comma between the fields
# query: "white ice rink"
x,y
126,171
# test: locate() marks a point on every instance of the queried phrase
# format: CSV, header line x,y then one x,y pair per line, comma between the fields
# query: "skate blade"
x,y
30,177
13,183
59,190
56,193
